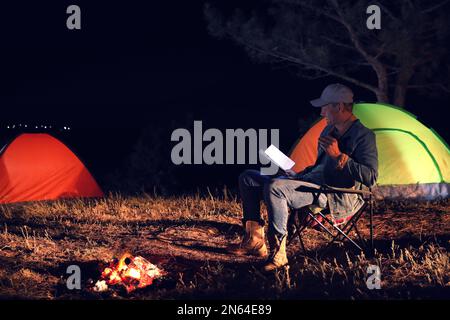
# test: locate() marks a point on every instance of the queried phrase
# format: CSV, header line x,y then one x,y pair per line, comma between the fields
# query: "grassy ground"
x,y
186,236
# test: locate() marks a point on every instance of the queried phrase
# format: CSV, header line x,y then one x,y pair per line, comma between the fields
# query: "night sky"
x,y
147,62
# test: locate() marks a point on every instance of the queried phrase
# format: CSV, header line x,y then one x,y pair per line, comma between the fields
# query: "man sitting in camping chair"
x,y
347,158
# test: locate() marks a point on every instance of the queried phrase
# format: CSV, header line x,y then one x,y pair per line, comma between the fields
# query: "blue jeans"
x,y
279,194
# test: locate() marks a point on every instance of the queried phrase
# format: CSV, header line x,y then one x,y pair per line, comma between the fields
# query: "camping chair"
x,y
339,230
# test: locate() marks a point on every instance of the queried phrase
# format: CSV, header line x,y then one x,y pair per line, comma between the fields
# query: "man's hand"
x,y
330,146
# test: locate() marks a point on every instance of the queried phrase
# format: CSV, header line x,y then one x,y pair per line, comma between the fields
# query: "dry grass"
x,y
187,236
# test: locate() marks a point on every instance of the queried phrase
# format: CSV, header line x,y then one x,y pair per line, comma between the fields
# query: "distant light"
x,y
25,126
36,127
7,127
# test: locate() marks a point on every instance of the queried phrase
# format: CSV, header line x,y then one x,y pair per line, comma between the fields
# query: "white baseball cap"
x,y
334,93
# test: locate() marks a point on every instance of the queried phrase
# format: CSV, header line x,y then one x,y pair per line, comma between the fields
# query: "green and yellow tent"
x,y
414,161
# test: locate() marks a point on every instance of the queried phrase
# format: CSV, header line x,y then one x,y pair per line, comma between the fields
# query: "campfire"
x,y
130,272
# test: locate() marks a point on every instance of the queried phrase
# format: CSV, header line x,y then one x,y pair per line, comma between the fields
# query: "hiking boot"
x,y
253,242
278,257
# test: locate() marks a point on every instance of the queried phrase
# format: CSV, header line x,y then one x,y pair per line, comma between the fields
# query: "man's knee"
x,y
246,177
274,186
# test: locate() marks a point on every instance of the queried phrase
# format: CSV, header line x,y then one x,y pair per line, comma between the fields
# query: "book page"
x,y
279,158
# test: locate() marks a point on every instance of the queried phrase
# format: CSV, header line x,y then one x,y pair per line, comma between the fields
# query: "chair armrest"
x,y
329,189
347,190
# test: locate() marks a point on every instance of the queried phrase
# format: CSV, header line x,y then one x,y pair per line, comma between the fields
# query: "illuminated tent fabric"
x,y
414,161
40,167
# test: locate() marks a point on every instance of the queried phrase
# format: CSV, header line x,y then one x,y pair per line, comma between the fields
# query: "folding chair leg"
x,y
293,222
320,223
301,242
372,247
363,242
291,237
341,233
335,237
299,227
367,244
352,222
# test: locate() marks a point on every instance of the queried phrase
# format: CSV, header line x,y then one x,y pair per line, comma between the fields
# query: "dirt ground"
x,y
187,236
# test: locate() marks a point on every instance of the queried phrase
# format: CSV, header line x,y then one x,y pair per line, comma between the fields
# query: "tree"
x,y
320,38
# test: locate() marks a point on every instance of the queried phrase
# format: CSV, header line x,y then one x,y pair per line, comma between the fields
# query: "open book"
x,y
279,158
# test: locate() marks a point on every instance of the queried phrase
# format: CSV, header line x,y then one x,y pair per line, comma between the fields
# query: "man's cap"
x,y
334,93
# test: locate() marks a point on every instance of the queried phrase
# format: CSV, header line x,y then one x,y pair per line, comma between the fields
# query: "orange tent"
x,y
305,150
40,167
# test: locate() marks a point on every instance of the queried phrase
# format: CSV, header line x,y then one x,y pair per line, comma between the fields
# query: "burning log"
x,y
129,271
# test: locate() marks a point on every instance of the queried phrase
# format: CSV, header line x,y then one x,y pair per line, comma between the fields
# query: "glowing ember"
x,y
131,272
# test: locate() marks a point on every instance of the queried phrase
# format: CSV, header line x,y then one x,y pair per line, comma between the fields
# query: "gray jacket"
x,y
360,171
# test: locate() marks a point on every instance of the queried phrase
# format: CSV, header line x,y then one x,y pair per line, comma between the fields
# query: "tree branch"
x,y
308,77
437,6
300,48
353,36
378,67
338,43
316,9
381,50
444,88
429,86
389,13
285,57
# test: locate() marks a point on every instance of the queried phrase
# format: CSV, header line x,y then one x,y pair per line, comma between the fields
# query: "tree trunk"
x,y
401,85
382,97
383,83
399,96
